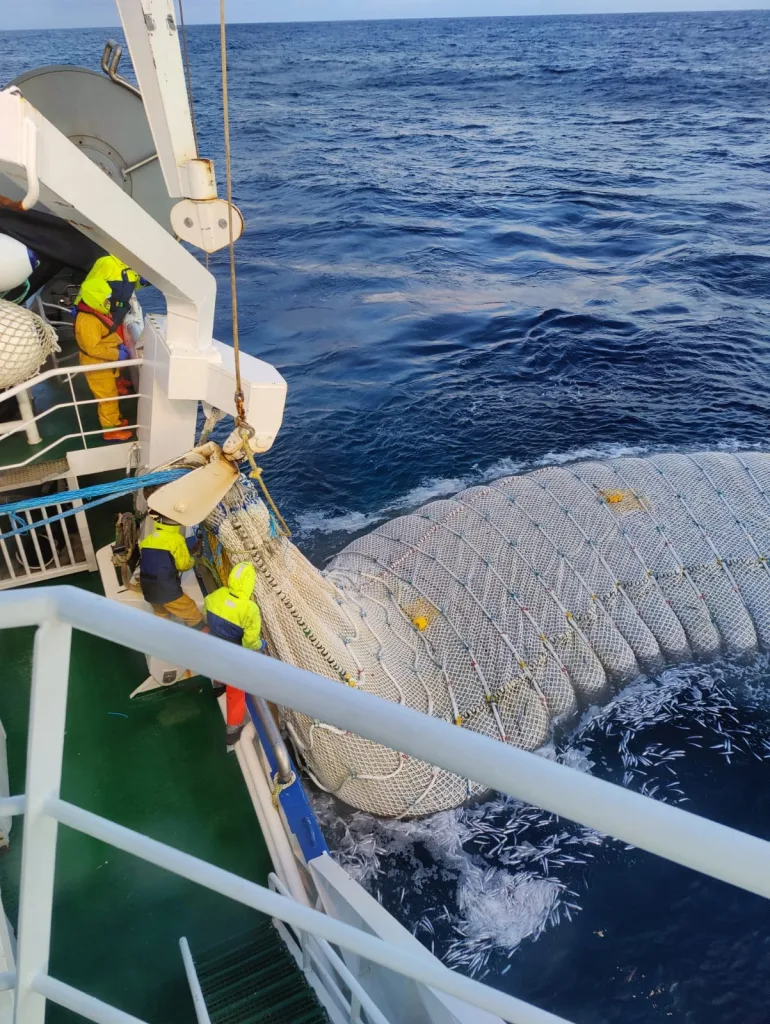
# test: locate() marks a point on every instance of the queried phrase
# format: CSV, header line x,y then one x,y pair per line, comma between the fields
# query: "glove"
x,y
262,647
123,353
194,544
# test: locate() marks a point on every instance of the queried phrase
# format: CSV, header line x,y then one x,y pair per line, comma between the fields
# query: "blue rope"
x,y
123,486
100,493
274,532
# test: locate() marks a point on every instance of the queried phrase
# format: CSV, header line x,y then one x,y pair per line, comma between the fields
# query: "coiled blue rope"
x,y
96,494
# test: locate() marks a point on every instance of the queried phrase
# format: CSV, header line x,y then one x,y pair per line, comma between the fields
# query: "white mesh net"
x,y
511,605
26,341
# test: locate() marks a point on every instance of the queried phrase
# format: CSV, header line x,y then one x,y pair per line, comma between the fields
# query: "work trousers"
x,y
183,608
103,384
236,707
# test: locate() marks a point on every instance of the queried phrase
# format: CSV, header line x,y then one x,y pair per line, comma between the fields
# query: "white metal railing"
x,y
326,967
201,1010
46,550
64,318
724,853
29,421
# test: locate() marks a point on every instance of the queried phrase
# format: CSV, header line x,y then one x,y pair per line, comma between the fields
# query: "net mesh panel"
x,y
511,605
26,341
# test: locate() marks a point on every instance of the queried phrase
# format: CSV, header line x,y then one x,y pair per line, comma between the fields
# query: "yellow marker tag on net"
x,y
624,500
421,614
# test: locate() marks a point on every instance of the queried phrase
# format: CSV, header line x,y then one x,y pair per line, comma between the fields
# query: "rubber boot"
x,y
117,435
233,735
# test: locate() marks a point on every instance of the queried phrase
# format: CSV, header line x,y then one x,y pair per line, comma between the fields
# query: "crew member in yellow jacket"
x,y
164,555
102,305
232,614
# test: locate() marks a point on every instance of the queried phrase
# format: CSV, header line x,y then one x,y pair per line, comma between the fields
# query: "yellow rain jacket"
x,y
232,613
97,340
164,556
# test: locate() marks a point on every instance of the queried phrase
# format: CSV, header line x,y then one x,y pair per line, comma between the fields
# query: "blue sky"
x,y
84,13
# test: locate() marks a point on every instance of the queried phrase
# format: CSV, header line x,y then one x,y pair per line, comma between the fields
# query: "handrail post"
x,y
77,410
282,759
355,1009
48,707
201,1010
28,417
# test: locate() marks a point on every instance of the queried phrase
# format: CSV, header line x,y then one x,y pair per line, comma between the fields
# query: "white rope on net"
x,y
26,342
508,608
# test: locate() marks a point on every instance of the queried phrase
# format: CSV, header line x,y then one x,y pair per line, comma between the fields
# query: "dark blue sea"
x,y
477,246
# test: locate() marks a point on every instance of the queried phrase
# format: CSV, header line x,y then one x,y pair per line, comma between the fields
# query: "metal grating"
x,y
33,475
254,979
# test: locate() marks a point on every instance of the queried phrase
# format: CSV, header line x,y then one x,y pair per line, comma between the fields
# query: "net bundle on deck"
x,y
510,606
26,342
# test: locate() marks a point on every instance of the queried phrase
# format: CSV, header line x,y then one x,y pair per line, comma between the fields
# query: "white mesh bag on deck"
x,y
26,342
509,606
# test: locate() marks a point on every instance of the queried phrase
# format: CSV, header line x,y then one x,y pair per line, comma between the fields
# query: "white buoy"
x,y
16,263
26,342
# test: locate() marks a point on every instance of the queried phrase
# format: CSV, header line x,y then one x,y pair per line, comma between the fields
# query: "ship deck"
x,y
60,423
156,764
59,428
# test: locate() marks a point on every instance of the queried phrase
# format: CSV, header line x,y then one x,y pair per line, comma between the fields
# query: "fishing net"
x,y
510,606
26,341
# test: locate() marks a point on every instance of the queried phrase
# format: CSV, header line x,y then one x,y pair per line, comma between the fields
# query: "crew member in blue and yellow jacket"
x,y
232,614
163,557
102,304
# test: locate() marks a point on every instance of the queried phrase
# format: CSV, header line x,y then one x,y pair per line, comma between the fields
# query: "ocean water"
x,y
479,246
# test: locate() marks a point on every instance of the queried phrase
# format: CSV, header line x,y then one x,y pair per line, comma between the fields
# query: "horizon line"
x,y
435,17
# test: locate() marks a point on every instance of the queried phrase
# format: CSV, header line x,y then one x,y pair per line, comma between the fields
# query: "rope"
x,y
229,178
285,600
126,539
188,76
100,493
211,421
246,431
256,474
19,298
279,787
53,519
115,487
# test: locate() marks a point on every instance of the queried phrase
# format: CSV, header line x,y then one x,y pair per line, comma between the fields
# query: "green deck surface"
x,y
60,423
157,765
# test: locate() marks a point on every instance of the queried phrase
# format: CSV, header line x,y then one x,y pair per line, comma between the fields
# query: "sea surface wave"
x,y
479,246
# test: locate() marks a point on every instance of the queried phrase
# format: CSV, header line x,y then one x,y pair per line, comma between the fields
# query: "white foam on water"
x,y
499,910
319,521
505,868
432,488
507,871
316,521
494,906
429,490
